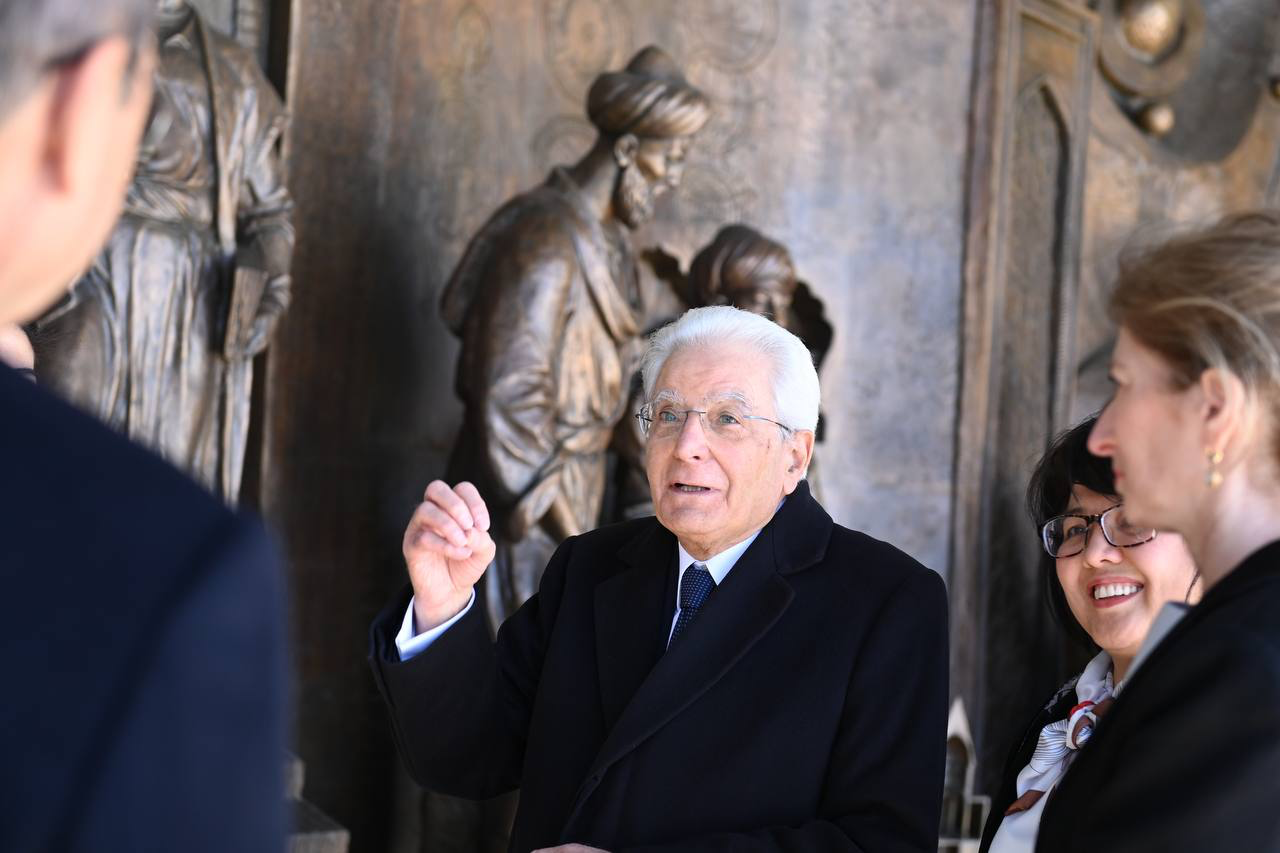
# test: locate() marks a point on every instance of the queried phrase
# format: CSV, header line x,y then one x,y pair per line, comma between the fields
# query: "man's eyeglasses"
x,y
728,421
1068,535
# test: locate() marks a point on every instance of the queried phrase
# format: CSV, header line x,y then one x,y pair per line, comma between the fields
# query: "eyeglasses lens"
x,y
1066,535
1120,532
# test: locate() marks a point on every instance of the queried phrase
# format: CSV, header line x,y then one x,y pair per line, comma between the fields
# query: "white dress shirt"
x,y
410,643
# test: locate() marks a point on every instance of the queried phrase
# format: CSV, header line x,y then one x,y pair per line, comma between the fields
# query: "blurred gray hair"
x,y
796,393
38,34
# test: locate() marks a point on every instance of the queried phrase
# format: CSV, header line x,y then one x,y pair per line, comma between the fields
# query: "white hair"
x,y
796,395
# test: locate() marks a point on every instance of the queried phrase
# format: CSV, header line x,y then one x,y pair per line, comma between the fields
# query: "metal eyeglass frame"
x,y
646,421
1090,521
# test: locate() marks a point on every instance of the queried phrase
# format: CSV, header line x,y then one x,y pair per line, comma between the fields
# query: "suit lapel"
x,y
631,612
743,609
738,614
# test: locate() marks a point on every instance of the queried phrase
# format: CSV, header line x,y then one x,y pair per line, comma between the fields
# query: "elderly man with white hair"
x,y
738,673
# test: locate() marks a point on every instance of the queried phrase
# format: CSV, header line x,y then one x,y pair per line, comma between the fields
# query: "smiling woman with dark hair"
x,y
1110,580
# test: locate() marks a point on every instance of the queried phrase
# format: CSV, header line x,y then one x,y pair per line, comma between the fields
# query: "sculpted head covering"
x,y
649,98
740,259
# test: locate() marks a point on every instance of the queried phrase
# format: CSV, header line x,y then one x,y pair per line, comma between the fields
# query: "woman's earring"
x,y
1213,477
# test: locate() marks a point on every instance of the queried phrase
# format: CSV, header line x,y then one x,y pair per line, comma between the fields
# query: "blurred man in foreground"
x,y
140,620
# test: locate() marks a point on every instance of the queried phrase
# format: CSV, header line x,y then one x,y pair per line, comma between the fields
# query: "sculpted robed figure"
x,y
545,302
157,338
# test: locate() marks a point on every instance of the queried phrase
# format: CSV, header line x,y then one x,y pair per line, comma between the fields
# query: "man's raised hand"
x,y
446,549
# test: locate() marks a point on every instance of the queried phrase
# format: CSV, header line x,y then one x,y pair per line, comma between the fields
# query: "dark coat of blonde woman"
x,y
1188,756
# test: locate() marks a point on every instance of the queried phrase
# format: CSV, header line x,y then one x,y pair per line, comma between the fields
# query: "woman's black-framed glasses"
x,y
1068,535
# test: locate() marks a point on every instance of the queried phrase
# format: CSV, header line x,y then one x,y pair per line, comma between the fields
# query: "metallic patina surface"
x,y
158,338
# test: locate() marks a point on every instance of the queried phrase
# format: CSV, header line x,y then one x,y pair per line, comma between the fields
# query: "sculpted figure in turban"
x,y
158,337
545,300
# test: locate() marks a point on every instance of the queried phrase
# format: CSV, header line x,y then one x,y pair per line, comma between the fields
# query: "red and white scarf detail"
x,y
1059,740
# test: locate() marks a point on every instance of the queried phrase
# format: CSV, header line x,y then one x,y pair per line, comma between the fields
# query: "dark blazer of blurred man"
x,y
140,620
739,673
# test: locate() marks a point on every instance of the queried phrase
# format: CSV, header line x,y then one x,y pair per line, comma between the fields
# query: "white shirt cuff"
x,y
409,643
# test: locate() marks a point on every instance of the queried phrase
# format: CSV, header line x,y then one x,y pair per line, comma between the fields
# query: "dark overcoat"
x,y
142,644
1188,756
804,709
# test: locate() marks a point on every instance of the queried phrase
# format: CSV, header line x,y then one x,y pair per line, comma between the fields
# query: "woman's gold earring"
x,y
1213,477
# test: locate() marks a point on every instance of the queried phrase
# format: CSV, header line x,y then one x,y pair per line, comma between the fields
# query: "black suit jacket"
x,y
1189,755
804,709
141,642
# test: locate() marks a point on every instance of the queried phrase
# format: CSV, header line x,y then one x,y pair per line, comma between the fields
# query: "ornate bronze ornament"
x,y
1149,48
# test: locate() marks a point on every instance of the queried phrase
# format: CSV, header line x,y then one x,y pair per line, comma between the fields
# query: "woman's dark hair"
x,y
1066,464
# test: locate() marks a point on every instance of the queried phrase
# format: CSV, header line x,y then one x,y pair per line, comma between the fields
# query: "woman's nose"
x,y
1098,551
1100,440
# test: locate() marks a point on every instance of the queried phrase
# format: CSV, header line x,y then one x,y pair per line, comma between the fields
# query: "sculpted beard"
x,y
633,197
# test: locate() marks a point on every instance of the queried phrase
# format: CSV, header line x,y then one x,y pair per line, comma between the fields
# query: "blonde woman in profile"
x,y
1189,755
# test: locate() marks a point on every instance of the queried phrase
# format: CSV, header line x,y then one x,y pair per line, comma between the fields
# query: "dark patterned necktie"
x,y
696,586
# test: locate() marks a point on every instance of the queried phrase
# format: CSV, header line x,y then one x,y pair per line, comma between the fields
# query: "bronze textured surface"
x,y
158,337
952,180
1040,255
839,130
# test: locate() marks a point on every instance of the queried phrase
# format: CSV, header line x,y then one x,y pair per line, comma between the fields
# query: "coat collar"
x,y
1259,567
638,699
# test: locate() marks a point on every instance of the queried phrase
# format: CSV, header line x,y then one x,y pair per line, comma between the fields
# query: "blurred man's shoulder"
x,y
79,489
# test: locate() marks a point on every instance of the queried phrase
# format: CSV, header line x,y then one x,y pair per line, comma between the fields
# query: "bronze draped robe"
x,y
544,302
139,342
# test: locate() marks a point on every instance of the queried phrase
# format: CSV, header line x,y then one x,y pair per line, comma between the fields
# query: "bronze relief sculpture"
x,y
744,268
545,303
158,337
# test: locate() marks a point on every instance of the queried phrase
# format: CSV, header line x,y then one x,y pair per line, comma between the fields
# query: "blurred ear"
x,y
70,149
88,97
799,452
624,150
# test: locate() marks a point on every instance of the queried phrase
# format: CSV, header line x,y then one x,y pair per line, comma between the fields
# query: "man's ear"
x,y
799,453
624,150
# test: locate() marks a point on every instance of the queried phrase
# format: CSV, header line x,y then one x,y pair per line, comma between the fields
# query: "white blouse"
x,y
1054,753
